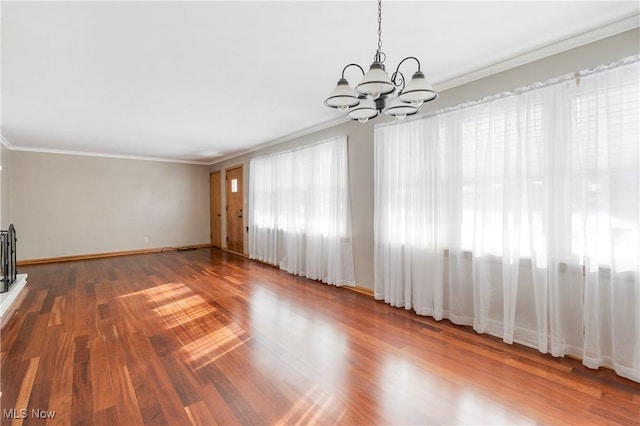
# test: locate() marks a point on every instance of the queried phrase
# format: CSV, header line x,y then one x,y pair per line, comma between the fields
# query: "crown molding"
x,y
608,30
300,133
11,147
297,134
6,143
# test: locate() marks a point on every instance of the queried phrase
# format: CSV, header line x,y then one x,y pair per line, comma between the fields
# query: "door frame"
x,y
217,244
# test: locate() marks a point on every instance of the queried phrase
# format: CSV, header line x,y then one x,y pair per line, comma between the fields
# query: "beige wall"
x,y
360,136
65,205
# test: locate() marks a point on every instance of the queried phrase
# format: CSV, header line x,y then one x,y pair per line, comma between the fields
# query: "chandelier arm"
x,y
352,65
397,78
405,59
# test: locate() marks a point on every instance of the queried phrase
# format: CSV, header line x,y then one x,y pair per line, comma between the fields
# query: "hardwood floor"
x,y
207,337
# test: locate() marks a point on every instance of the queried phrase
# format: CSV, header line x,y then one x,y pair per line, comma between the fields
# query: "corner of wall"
x,y
5,178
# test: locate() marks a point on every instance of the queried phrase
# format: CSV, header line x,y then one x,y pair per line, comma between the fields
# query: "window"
x,y
520,215
299,211
605,174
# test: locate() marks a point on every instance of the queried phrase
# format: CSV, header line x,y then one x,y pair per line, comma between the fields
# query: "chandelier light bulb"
x,y
343,96
365,110
400,109
418,90
416,104
375,82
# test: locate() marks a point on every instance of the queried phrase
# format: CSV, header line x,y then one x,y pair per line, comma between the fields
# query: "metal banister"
x,y
8,258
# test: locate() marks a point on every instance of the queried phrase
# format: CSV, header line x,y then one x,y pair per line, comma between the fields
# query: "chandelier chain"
x,y
379,25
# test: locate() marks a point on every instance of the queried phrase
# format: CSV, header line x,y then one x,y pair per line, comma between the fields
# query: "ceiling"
x,y
202,81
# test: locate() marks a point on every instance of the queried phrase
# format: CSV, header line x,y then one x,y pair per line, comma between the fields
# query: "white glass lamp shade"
x,y
375,82
342,97
365,110
418,90
400,109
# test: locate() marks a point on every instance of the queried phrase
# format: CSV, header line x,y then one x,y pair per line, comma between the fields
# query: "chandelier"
x,y
378,93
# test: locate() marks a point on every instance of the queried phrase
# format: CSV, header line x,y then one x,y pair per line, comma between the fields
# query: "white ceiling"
x,y
200,81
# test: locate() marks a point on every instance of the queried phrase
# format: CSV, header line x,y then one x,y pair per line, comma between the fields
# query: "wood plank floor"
x,y
207,337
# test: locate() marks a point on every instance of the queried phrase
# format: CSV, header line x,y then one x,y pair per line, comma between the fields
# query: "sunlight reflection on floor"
x,y
307,344
212,346
182,308
182,311
310,408
403,380
160,293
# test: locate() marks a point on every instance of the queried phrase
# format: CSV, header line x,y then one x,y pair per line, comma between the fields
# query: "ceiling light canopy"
x,y
377,92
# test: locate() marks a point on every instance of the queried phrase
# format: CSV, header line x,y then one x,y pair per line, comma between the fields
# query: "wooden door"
x,y
235,215
216,208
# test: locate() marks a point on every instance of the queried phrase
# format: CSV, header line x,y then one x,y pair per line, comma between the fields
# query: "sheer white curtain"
x,y
520,215
299,214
